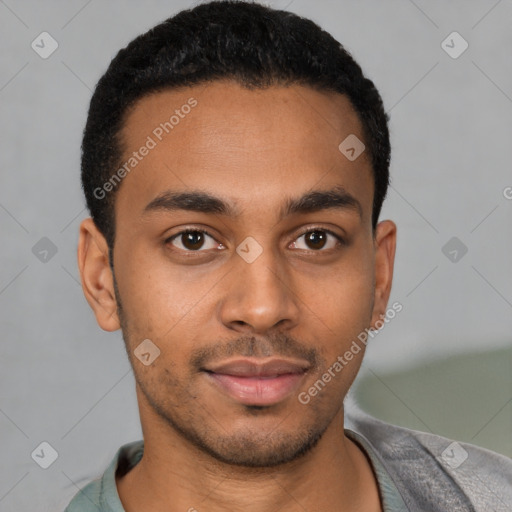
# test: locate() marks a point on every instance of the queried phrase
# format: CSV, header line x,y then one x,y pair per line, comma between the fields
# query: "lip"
x,y
255,368
255,383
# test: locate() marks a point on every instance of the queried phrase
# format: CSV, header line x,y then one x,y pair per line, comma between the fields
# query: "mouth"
x,y
250,382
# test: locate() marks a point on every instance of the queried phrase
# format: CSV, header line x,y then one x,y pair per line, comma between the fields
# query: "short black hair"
x,y
253,44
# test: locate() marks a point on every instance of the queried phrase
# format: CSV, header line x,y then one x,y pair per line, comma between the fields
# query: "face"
x,y
245,253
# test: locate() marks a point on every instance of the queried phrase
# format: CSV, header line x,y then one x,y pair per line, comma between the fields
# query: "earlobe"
x,y
385,246
96,275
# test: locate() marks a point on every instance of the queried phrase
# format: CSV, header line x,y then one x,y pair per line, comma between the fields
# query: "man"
x,y
235,161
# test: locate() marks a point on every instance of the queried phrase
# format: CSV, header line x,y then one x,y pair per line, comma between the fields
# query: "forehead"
x,y
247,145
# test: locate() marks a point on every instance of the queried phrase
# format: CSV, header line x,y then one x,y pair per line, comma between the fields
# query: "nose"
x,y
259,296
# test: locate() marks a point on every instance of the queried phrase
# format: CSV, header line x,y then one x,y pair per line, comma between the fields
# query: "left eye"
x,y
317,239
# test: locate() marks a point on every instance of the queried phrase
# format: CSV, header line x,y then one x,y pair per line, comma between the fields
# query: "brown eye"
x,y
193,240
315,239
318,240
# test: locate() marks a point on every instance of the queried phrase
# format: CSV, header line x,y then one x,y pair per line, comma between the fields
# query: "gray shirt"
x,y
415,471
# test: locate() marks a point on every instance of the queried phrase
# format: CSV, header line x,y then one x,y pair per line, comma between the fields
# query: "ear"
x,y
96,275
385,245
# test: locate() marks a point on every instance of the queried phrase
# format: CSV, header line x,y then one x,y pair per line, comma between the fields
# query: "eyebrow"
x,y
203,202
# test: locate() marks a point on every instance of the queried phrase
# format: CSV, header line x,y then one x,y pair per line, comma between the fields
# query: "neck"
x,y
174,475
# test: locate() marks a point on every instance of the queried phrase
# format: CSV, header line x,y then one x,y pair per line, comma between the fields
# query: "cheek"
x,y
339,306
343,294
349,304
341,334
161,300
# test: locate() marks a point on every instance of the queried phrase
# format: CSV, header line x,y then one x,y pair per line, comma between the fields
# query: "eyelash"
x,y
341,241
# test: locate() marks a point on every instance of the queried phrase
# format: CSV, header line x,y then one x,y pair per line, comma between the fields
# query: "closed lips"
x,y
248,368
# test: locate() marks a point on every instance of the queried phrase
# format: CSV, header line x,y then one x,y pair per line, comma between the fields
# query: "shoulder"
x,y
436,473
87,499
100,495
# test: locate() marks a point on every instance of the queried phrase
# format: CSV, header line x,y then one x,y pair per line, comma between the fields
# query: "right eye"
x,y
192,240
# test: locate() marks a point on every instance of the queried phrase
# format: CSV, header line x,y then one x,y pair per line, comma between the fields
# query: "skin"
x,y
299,298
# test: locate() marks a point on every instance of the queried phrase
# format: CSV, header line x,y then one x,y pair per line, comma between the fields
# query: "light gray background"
x,y
442,365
